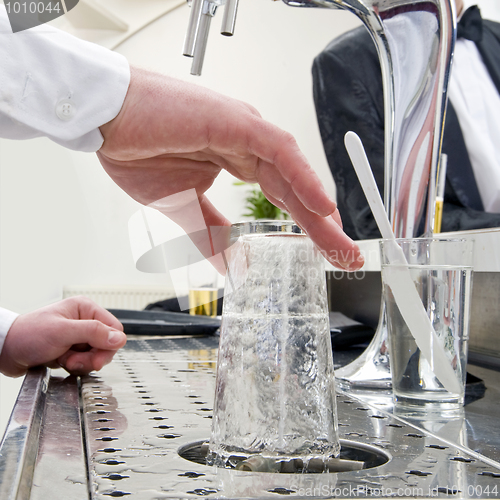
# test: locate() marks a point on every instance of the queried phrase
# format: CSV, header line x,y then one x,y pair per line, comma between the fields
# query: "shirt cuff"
x,y
6,319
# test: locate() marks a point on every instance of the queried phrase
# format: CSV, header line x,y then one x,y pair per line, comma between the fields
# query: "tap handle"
x,y
229,19
193,27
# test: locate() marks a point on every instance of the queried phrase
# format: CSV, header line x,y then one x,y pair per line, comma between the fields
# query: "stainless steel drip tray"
x,y
155,400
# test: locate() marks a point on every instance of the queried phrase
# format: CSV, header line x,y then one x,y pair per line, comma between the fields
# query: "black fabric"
x,y
471,25
348,95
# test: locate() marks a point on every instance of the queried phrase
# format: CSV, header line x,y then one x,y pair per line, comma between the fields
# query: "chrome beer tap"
x,y
200,18
415,41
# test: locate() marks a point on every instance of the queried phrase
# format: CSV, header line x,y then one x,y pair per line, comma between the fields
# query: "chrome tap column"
x,y
415,41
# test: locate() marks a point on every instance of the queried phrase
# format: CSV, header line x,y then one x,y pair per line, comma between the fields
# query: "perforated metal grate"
x,y
156,398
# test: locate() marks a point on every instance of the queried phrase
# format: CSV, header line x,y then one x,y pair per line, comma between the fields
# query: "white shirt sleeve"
x,y
55,85
477,104
6,319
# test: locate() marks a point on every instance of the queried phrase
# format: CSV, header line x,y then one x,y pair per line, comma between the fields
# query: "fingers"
x,y
95,333
280,149
88,309
327,234
82,363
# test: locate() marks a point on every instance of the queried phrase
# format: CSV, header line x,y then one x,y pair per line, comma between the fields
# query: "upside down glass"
x,y
275,395
441,271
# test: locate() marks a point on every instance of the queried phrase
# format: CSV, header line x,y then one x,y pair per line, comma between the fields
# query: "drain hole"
x,y
448,491
107,429
462,459
377,416
114,477
158,418
110,450
414,435
191,474
169,436
362,409
490,474
107,438
281,491
111,462
192,396
437,447
117,494
102,420
153,410
202,492
397,426
199,403
353,456
164,427
418,473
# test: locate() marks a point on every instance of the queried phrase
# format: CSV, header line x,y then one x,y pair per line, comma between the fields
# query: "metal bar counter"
x,y
135,429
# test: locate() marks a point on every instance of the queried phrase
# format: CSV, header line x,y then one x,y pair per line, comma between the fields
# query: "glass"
x,y
441,271
202,282
275,390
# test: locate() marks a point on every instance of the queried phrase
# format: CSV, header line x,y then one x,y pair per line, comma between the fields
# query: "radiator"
x,y
120,297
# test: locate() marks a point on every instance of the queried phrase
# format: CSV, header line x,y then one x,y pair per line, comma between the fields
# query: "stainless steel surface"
x,y
193,27
156,398
229,19
195,43
208,11
61,460
19,447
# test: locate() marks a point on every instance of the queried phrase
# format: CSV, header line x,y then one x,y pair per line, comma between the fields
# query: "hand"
x,y
171,136
74,333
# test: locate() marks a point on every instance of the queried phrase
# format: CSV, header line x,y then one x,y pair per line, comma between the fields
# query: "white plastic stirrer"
x,y
400,281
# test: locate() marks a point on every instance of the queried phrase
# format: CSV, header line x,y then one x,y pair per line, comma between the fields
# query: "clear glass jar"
x,y
275,390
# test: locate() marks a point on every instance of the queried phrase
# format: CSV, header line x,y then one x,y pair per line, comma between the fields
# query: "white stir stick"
x,y
399,279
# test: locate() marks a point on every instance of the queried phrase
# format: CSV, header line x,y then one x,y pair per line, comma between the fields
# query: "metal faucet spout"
x,y
202,11
415,41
